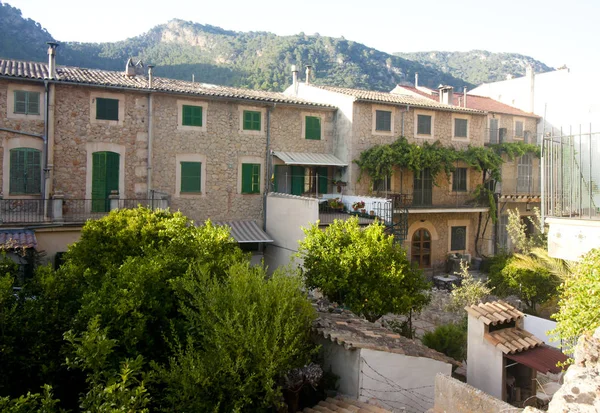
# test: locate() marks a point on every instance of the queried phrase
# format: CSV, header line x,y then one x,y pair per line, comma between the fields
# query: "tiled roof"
x,y
484,103
512,340
304,158
344,405
348,330
396,99
77,75
246,231
22,238
495,312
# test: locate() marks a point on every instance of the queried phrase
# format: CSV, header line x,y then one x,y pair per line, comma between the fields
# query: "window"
x,y
458,238
383,120
191,115
105,179
27,103
459,180
382,185
251,178
525,174
312,127
107,109
518,129
423,188
503,239
423,125
420,251
494,131
191,173
460,128
25,171
251,120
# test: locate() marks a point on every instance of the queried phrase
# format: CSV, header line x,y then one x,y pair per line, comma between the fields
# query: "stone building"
x,y
77,142
520,188
439,218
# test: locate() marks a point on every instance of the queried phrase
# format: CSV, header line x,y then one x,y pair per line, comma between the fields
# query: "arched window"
x,y
420,251
25,171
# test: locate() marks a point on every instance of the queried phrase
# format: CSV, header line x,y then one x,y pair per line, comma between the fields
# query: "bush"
x,y
450,339
31,403
362,269
244,335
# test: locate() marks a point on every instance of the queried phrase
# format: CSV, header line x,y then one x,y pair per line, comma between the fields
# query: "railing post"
x,y
57,206
114,200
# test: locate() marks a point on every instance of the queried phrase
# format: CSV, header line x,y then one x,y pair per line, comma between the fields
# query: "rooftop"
x,y
513,340
344,405
352,332
397,99
96,77
495,312
21,238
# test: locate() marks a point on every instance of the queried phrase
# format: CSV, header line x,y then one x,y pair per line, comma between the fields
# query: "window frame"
x,y
105,101
420,244
312,128
431,116
457,119
27,102
192,118
452,241
455,182
251,122
255,184
36,175
198,177
10,101
383,122
517,121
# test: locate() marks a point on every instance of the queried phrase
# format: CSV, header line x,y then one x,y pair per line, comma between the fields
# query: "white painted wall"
x,y
381,206
484,362
343,363
540,327
570,238
286,216
400,380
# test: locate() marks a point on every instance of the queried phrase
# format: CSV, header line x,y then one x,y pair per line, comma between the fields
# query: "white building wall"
x,y
286,216
485,367
540,327
400,380
343,363
570,238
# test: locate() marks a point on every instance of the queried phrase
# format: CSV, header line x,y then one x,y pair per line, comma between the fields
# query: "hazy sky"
x,y
555,32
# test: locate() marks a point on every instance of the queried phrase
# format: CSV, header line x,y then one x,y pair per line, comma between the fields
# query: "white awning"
x,y
303,158
246,231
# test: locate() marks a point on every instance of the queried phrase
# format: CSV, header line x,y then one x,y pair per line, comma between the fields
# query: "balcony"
x,y
503,135
14,212
520,187
374,208
424,202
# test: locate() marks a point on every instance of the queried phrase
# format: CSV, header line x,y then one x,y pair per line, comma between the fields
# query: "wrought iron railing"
x,y
503,135
22,211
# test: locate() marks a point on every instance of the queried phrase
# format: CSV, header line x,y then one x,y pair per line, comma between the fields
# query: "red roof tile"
x,y
24,238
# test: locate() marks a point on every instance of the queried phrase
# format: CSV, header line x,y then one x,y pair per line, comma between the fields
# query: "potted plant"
x,y
358,205
335,203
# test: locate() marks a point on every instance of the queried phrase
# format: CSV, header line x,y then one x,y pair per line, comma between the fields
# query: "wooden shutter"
x,y
17,172
105,179
423,124
20,101
107,109
322,172
250,174
383,120
256,178
313,127
33,103
191,173
25,171
192,115
297,180
459,179
251,120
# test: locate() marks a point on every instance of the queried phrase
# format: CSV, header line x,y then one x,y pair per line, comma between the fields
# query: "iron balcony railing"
x,y
503,135
328,214
425,199
22,211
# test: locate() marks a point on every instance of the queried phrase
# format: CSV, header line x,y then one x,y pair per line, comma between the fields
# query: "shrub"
x,y
450,339
31,403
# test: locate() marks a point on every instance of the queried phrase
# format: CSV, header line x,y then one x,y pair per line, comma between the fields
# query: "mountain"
x,y
477,66
258,60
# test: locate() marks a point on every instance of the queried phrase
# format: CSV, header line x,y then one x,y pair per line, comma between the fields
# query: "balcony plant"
x,y
335,203
358,205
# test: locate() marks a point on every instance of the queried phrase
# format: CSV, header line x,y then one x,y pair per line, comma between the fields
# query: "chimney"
x,y
308,73
416,80
530,83
465,97
446,94
150,67
295,79
52,59
129,68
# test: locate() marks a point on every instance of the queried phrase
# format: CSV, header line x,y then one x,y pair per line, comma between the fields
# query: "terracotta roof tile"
x,y
348,330
513,340
343,404
22,238
495,312
396,99
78,75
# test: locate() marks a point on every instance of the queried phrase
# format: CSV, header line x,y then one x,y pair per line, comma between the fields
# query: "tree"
x,y
470,291
579,310
362,269
533,283
244,336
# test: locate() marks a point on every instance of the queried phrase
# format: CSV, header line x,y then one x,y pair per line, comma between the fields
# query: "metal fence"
x,y
22,211
570,179
504,135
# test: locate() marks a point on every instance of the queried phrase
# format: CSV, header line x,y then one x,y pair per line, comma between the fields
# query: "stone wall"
x,y
453,396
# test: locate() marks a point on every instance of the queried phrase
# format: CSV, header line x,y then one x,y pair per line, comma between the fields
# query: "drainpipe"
x,y
267,166
49,94
149,161
465,97
45,139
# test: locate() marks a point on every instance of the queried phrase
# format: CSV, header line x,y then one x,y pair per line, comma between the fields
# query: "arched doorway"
x,y
420,248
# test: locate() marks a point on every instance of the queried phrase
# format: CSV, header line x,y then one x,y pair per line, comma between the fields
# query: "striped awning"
x,y
246,231
17,238
305,158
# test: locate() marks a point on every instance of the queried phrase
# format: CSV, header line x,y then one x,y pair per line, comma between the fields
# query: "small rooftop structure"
x,y
496,312
17,238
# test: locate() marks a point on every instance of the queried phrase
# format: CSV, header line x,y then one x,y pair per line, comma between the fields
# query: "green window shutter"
x,y
17,172
25,171
33,103
322,172
191,173
252,120
383,120
313,127
256,178
460,128
105,179
20,101
192,115
297,180
107,109
423,125
250,178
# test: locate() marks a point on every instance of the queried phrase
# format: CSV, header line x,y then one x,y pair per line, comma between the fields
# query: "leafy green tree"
x,y
244,335
470,292
579,309
534,284
362,269
450,339
31,403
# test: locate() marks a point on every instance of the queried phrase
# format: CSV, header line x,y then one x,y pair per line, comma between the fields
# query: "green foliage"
x,y
533,284
109,390
523,242
31,403
470,292
450,339
579,312
362,269
496,280
244,335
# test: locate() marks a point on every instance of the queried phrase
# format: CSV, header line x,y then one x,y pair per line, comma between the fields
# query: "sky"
x,y
554,32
